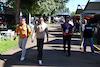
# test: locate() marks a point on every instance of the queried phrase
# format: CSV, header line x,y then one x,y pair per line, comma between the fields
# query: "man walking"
x,y
87,34
40,30
82,38
24,32
67,33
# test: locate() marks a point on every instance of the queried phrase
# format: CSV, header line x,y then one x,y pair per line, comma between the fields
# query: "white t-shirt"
x,y
40,30
70,22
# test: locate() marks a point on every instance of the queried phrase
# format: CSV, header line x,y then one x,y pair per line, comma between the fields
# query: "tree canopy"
x,y
41,7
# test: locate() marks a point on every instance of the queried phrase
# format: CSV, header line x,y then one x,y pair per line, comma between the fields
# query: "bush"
x,y
12,26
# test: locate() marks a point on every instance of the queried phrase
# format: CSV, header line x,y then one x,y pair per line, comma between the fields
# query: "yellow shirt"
x,y
24,31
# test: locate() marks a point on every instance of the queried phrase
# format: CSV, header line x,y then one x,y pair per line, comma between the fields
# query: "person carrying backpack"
x,y
24,32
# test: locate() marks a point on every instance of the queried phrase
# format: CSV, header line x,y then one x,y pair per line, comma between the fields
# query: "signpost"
x,y
20,16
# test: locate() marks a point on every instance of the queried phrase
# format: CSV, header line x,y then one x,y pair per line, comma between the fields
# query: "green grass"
x,y
7,45
10,44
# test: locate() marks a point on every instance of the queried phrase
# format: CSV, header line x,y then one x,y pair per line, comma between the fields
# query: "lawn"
x,y
7,45
10,44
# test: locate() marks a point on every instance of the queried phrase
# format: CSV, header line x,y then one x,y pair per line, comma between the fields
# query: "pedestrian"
x,y
24,32
80,26
77,26
82,38
71,22
40,30
66,29
87,34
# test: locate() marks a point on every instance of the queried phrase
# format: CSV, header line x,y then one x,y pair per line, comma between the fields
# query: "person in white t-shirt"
x,y
71,22
40,30
83,27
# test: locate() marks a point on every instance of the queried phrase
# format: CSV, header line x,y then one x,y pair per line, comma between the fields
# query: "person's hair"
x,y
41,17
24,18
36,21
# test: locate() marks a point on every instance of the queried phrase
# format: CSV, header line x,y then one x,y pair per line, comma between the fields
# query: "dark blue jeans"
x,y
40,43
91,43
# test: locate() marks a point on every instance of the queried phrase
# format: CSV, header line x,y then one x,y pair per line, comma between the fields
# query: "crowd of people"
x,y
39,31
41,28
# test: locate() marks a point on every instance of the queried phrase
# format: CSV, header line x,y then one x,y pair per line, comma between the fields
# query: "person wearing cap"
x,y
40,30
66,29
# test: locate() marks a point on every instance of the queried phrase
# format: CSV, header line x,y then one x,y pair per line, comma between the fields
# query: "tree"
x,y
51,7
29,6
15,4
47,7
40,7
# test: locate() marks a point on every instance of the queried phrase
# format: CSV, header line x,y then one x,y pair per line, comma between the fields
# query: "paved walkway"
x,y
53,55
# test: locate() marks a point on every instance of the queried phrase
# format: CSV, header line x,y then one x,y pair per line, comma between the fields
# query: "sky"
x,y
3,1
72,4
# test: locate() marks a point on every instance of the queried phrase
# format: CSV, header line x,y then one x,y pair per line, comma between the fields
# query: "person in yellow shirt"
x,y
24,32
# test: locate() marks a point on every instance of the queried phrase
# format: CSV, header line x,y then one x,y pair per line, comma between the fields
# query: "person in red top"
x,y
66,29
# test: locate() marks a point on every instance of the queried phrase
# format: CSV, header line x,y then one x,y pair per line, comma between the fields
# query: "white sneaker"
x,y
40,62
22,58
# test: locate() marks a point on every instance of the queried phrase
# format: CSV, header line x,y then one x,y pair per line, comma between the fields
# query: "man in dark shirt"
x,y
66,29
87,34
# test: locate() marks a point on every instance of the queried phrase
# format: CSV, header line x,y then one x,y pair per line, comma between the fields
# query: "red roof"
x,y
85,16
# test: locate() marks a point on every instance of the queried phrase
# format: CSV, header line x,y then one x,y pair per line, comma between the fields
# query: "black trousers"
x,y
40,43
67,39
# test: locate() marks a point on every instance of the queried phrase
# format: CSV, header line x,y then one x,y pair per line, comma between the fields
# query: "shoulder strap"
x,y
27,28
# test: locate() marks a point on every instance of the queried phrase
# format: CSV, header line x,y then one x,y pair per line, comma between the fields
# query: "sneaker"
x,y
68,54
84,52
22,58
94,53
40,62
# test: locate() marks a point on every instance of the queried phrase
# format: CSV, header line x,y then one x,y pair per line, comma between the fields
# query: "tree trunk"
x,y
17,11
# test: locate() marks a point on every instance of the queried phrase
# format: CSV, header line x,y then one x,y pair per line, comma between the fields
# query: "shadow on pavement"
x,y
54,56
51,58
57,35
56,41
